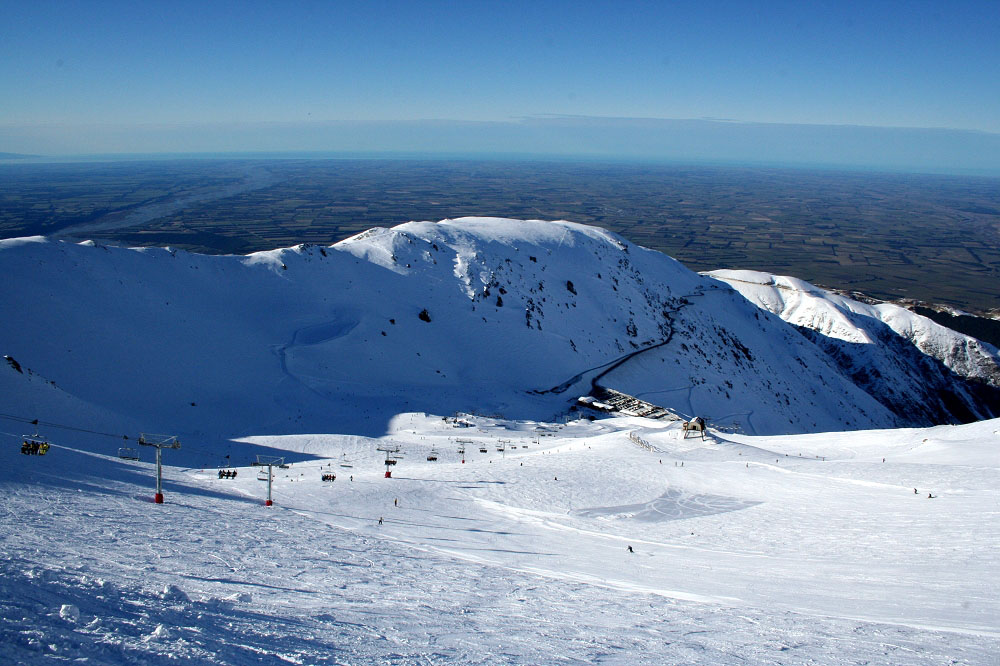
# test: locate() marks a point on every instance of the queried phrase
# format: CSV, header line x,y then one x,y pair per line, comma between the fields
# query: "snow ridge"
x,y
913,364
472,314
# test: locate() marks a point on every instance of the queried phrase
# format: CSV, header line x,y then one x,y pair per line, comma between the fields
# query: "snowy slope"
x,y
785,549
915,366
523,316
819,548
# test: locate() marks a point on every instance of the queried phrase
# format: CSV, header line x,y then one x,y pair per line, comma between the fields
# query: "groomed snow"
x,y
795,549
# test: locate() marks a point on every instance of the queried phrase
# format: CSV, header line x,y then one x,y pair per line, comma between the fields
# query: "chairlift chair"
x,y
262,475
432,456
34,445
128,453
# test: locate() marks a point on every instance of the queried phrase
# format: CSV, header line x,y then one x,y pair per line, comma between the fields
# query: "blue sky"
x,y
154,76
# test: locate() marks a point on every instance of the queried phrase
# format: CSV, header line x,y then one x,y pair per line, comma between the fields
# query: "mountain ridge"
x,y
469,314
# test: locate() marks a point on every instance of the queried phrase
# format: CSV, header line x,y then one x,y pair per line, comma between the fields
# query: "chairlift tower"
x,y
391,453
160,442
270,462
461,447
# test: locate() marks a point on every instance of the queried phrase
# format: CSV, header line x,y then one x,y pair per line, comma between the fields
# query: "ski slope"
x,y
761,550
869,546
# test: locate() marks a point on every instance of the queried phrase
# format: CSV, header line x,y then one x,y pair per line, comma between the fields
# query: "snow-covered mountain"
x,y
619,540
483,314
922,371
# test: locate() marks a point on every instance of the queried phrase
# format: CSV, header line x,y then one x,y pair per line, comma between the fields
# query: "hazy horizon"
x,y
875,86
892,149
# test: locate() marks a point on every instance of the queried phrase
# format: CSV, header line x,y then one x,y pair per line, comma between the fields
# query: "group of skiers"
x,y
33,448
227,473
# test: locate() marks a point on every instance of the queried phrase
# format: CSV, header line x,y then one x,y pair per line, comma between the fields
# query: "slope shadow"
x,y
933,393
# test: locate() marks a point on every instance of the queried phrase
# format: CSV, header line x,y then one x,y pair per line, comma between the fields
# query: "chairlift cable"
x,y
50,424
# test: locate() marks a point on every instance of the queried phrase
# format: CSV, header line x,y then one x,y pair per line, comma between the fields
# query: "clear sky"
x,y
113,69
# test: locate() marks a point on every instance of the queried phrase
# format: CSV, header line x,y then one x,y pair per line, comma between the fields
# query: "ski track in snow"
x,y
516,558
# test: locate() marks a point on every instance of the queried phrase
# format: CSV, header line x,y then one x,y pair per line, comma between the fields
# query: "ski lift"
x,y
262,475
432,456
34,445
344,462
461,445
483,449
128,453
390,461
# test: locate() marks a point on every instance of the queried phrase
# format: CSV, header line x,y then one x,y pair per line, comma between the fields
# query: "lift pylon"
x,y
160,442
269,462
391,454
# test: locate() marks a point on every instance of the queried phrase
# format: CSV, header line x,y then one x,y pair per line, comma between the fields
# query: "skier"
x,y
380,520
395,502
630,549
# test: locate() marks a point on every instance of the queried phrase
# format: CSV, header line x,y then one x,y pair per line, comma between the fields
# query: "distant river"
x,y
255,178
